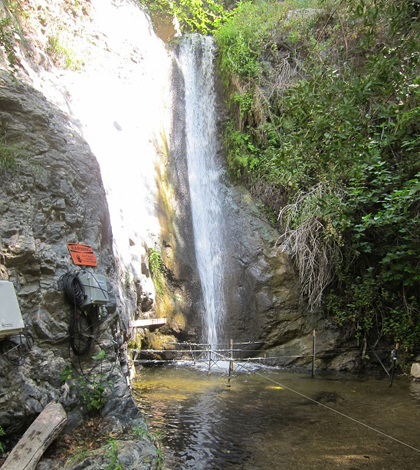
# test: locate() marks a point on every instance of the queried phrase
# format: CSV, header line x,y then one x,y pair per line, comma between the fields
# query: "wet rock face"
x,y
53,195
180,303
262,294
261,288
262,302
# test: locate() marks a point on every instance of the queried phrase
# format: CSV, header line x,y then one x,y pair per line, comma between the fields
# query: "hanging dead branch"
x,y
312,242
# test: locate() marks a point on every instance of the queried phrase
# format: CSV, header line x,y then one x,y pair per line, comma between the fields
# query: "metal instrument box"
x,y
96,289
11,321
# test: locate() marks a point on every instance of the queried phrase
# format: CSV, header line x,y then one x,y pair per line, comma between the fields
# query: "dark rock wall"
x,y
52,196
261,288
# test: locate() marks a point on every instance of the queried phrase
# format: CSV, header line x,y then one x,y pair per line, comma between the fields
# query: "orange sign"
x,y
82,255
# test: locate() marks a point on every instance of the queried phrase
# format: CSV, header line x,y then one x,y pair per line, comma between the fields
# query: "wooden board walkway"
x,y
148,322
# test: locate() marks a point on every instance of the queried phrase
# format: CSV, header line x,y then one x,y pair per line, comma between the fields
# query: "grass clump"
x,y
62,54
8,155
157,270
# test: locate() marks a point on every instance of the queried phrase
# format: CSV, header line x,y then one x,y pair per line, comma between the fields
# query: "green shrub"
x,y
8,43
93,389
2,433
324,128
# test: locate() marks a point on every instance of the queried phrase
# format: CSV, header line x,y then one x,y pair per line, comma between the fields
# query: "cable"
x,y
73,288
78,368
81,324
81,332
338,412
331,409
277,383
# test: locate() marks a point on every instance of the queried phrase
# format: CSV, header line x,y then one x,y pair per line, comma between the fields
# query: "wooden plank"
x,y
148,322
27,452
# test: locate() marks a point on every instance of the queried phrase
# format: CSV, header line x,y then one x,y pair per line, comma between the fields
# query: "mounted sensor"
x,y
11,321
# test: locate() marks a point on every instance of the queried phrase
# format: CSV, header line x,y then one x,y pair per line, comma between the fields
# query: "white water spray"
x,y
117,103
196,60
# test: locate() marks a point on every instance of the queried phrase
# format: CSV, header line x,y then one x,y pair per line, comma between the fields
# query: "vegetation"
x,y
139,432
93,389
202,16
66,43
2,433
156,438
8,43
95,437
324,129
157,270
62,54
113,453
8,154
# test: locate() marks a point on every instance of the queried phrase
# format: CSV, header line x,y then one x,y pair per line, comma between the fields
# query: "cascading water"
x,y
118,104
196,62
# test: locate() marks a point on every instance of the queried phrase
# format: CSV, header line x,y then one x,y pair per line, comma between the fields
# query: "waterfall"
x,y
196,62
119,103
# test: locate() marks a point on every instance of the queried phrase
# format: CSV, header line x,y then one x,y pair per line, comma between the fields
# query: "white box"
x,y
11,321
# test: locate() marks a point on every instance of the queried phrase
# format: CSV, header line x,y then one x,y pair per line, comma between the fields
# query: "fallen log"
x,y
27,452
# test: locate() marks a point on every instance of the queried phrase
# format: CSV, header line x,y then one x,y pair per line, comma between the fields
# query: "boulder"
x,y
415,370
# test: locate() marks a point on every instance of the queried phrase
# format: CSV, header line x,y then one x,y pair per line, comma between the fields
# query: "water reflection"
x,y
260,424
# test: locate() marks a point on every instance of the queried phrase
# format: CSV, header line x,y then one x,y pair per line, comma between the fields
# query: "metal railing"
x,y
243,352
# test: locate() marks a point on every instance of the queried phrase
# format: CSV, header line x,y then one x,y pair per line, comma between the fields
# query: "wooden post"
x,y
230,362
27,452
192,354
313,353
394,363
209,349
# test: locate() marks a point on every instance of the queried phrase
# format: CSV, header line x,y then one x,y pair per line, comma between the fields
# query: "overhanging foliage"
x,y
329,99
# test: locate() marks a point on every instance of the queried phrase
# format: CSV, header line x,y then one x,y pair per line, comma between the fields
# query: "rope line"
x,y
261,351
243,366
338,412
332,409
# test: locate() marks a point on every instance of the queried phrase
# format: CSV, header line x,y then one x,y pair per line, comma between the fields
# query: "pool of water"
x,y
279,420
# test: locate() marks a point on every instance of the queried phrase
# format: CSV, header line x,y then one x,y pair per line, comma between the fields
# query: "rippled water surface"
x,y
266,420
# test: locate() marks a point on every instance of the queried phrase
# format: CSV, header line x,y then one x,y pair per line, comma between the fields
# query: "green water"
x,y
261,422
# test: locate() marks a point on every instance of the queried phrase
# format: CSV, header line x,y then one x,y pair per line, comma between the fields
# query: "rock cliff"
x,y
52,193
263,305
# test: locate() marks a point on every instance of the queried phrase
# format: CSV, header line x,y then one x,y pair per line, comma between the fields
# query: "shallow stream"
x,y
272,419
